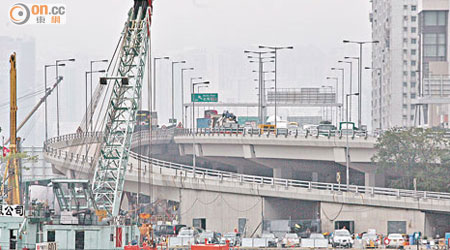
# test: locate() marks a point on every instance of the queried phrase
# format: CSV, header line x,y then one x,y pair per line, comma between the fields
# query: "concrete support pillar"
x,y
372,179
282,172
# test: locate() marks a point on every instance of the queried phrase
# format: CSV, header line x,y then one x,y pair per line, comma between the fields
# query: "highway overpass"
x,y
222,197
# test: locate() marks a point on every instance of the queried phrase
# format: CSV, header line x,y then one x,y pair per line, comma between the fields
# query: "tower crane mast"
x,y
109,177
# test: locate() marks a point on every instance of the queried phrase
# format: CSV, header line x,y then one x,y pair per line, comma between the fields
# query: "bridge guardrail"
x,y
254,179
285,132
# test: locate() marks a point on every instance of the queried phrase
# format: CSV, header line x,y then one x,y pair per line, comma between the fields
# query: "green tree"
x,y
414,153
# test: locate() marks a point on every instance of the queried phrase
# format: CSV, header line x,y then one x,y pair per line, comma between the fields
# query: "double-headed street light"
x,y
347,151
380,93
360,43
349,111
173,90
275,49
57,91
45,86
154,79
193,121
182,95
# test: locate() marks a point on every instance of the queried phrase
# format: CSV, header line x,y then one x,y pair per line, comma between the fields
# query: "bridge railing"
x,y
199,172
254,179
278,132
157,135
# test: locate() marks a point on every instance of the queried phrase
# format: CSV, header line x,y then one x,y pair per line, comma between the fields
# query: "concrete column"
x,y
372,179
249,151
282,172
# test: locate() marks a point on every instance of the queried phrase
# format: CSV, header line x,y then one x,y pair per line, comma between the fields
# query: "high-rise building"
x,y
395,62
435,85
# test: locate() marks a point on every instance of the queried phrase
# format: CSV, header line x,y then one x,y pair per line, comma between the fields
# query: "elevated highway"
x,y
182,183
286,152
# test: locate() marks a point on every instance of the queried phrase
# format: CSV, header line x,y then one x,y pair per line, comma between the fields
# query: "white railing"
x,y
279,132
159,135
181,169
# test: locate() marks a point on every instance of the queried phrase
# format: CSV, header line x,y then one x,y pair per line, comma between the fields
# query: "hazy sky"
x,y
315,27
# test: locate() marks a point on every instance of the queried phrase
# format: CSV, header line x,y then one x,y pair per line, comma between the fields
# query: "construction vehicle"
x,y
225,120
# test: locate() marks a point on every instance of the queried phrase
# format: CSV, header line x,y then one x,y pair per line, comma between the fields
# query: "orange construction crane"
x,y
11,184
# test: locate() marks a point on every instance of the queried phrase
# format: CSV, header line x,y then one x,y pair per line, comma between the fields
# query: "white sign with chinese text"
x,y
12,210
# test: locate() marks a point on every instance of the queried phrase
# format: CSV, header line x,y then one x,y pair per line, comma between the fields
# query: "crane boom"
x,y
109,177
36,107
11,184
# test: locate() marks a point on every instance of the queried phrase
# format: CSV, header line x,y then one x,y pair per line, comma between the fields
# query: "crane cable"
x,y
114,62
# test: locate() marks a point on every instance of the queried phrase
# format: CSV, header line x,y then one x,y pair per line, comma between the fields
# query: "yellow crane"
x,y
11,184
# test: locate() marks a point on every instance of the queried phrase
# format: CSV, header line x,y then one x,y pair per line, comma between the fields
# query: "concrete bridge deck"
x,y
167,174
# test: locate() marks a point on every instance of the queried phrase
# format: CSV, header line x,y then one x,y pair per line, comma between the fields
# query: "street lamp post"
x,y
262,100
198,91
182,95
194,154
347,148
86,101
173,91
192,82
262,97
91,113
57,91
326,108
275,49
343,90
261,60
45,86
359,90
336,96
349,110
154,79
361,43
380,89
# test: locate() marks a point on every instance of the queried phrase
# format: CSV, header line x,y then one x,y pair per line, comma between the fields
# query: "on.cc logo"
x,y
19,13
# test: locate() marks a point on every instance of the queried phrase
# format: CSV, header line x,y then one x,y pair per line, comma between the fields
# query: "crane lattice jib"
x,y
109,176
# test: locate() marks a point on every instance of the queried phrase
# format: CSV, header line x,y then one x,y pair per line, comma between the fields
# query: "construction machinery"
x,y
11,176
89,209
109,176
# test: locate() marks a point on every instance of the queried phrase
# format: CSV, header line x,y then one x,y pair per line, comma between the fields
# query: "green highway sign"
x,y
205,97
